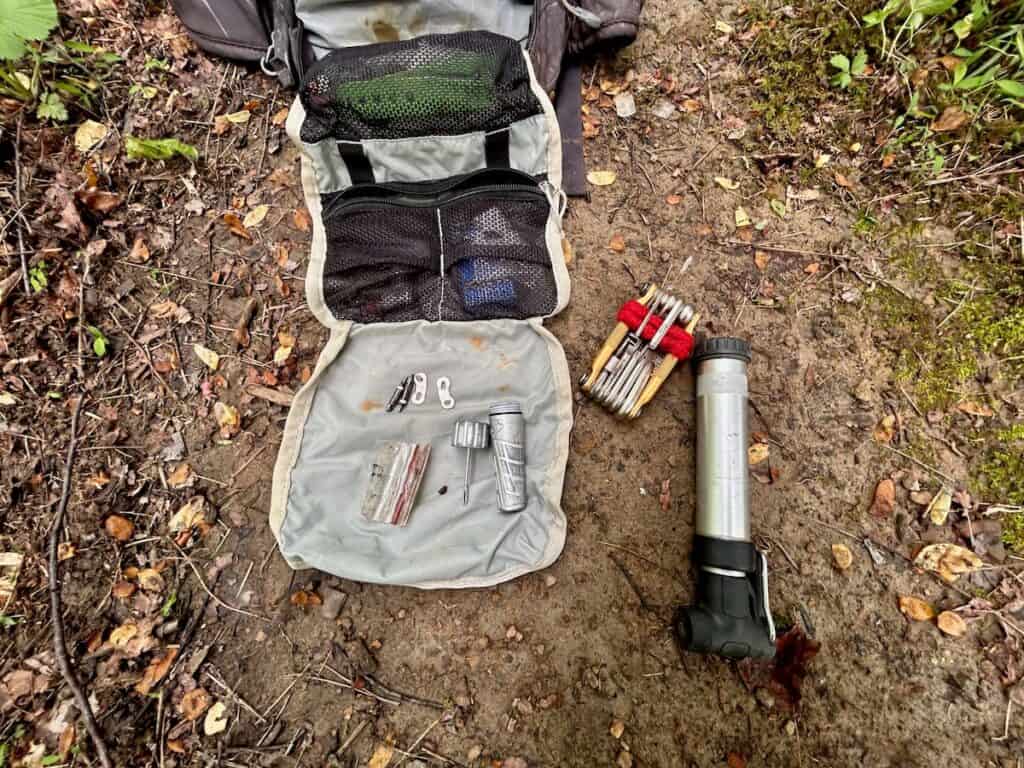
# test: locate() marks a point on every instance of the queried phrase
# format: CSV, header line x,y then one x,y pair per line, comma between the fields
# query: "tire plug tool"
x,y
731,616
471,435
508,439
400,397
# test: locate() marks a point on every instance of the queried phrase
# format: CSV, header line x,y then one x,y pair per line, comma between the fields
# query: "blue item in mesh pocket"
x,y
500,293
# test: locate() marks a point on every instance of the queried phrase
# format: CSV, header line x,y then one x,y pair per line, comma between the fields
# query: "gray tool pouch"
x,y
431,168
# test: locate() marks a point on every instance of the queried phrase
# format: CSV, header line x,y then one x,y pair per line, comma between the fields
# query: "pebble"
x,y
625,760
790,727
617,729
333,602
550,581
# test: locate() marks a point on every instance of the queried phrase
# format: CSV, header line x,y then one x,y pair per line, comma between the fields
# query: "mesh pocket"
x,y
430,85
474,254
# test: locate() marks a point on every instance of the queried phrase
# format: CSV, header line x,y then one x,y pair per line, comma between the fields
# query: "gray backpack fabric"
x,y
432,169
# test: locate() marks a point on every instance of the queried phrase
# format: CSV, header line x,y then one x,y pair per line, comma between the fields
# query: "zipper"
x,y
408,199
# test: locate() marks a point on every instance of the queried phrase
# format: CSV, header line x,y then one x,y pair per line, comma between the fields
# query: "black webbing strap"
x,y
496,152
358,164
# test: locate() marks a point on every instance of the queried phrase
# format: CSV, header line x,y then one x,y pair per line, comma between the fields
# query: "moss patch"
x,y
1000,475
790,57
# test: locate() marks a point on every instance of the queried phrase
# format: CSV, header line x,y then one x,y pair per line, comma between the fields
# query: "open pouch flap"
x,y
337,422
431,169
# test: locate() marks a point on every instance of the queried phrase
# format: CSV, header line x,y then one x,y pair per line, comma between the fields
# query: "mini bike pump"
x,y
731,616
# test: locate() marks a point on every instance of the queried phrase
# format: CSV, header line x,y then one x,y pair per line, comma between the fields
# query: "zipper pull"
x,y
557,198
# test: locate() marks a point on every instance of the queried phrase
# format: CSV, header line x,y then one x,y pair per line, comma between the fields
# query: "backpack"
x,y
286,36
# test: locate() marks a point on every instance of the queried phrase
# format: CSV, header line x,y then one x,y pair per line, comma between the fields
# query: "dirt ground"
x,y
541,669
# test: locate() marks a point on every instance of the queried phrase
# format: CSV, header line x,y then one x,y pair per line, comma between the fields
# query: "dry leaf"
x,y
301,220
742,217
304,599
191,514
280,117
120,636
10,567
567,252
194,703
99,480
282,353
726,183
89,134
381,756
280,177
691,105
151,580
820,161
98,200
617,243
256,216
215,721
674,199
947,560
208,356
951,624
842,181
176,745
156,671
181,477
139,253
757,453
123,589
916,609
974,409
119,528
617,728
238,118
812,268
888,159
602,178
885,498
761,260
65,551
938,508
885,430
227,419
665,497
951,119
842,556
235,225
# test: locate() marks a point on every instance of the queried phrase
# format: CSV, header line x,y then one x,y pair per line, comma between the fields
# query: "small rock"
x,y
551,701
513,634
333,602
864,391
911,481
664,109
625,104
550,581
617,729
764,698
624,760
790,727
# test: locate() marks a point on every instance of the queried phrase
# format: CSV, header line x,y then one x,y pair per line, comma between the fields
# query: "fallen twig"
x,y
17,203
56,612
208,591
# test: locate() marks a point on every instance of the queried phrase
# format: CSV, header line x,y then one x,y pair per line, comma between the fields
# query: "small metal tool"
x,y
419,394
400,397
470,435
444,393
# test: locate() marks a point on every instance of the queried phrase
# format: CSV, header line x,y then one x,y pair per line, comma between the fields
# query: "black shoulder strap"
x,y
358,164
